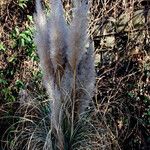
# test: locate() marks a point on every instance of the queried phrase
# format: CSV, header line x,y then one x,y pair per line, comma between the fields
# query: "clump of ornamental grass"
x,y
66,62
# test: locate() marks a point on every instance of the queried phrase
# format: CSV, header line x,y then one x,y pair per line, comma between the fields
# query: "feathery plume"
x,y
51,46
42,40
77,35
58,34
86,78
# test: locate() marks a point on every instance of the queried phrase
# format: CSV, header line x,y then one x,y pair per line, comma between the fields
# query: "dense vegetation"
x,y
120,30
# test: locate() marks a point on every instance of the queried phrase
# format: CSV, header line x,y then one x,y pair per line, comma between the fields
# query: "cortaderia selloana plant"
x,y
66,58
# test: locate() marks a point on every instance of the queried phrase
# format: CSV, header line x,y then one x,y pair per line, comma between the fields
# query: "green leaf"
x,y
12,58
2,81
131,94
19,84
2,47
30,18
22,43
